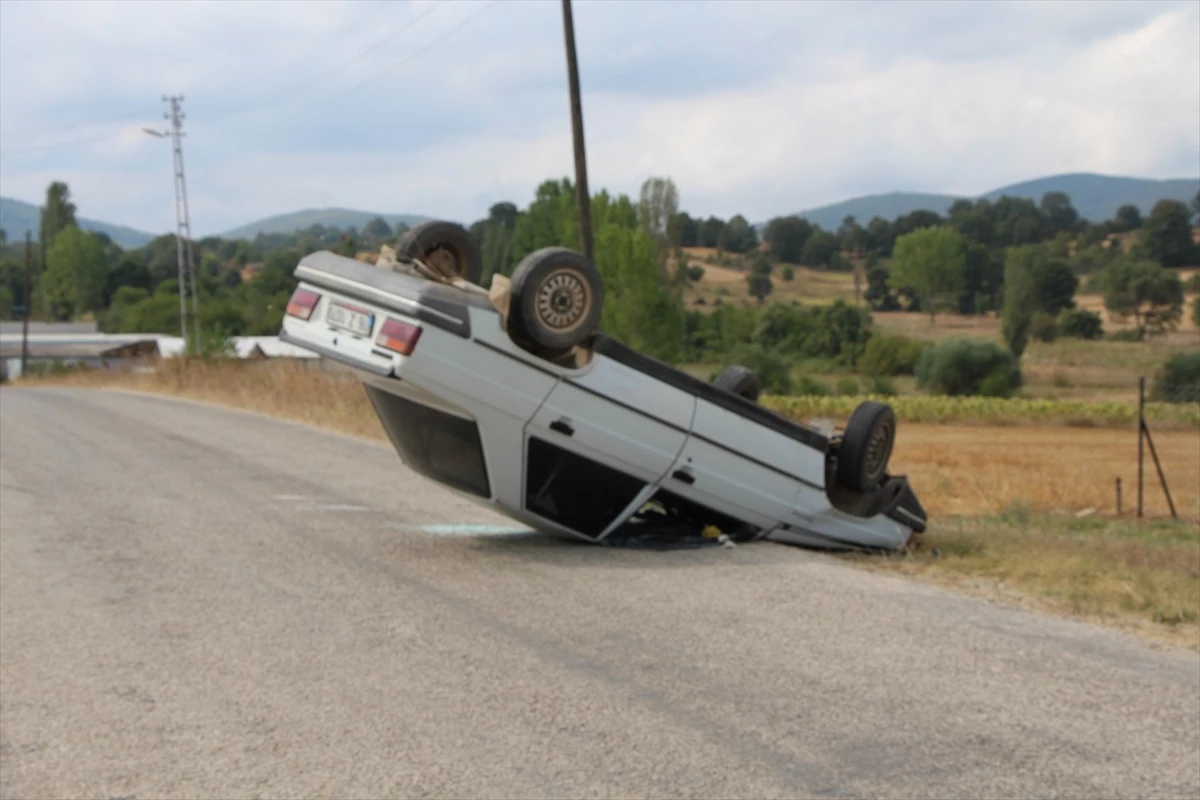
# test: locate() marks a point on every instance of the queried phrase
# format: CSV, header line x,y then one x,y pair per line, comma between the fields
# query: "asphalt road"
x,y
196,602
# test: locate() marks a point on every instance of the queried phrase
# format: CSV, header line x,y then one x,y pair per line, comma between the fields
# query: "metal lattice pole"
x,y
185,251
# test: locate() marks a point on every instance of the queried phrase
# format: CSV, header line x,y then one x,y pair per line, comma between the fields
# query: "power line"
x,y
336,68
413,55
66,143
410,57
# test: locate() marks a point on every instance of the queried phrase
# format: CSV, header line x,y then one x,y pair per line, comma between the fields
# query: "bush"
x,y
890,355
1080,324
1196,311
811,386
1193,283
1178,380
695,273
968,367
883,386
847,387
1128,335
773,370
787,272
1043,328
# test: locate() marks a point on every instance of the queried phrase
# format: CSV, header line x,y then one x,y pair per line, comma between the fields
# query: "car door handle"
x,y
560,426
681,475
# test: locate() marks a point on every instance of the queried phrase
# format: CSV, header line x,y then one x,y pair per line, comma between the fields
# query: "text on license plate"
x,y
349,318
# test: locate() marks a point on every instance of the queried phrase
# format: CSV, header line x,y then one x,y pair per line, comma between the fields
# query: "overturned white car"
x,y
513,398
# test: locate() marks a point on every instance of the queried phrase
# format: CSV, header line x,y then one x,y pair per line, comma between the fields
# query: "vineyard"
x,y
993,411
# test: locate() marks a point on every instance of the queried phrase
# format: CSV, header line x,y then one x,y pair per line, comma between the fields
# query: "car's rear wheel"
x,y
866,446
739,380
557,297
446,247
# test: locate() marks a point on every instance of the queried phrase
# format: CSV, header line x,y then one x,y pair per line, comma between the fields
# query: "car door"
x,y
742,468
600,443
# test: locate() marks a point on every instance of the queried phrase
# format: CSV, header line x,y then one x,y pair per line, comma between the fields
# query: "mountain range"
x,y
1095,197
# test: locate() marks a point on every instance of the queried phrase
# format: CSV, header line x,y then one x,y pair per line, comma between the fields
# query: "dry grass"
x,y
1143,577
728,284
967,470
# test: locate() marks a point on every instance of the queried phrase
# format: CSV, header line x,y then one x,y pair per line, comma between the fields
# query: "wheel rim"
x,y
563,300
879,448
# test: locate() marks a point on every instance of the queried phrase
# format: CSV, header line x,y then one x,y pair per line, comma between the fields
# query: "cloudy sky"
x,y
442,108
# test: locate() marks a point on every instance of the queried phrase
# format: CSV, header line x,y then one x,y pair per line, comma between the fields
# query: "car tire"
x,y
739,380
866,446
557,297
447,247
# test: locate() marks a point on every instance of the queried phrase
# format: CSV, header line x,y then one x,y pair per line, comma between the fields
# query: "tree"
x,y
58,213
378,231
786,236
879,295
930,261
1128,218
684,230
1153,296
710,232
1020,296
1167,235
76,273
658,203
1056,284
759,279
1060,215
983,279
820,249
738,236
1196,206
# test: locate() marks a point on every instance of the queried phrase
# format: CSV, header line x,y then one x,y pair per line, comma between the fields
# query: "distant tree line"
x,y
1021,260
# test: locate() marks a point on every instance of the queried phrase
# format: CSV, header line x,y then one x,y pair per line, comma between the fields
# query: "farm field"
x,y
1067,369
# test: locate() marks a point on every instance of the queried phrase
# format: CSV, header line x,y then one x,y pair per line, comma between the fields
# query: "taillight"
x,y
397,336
302,303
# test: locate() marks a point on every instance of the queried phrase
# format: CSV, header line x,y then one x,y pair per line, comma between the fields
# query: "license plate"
x,y
350,318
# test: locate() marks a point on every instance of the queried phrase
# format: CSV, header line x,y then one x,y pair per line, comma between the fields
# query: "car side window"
x,y
574,491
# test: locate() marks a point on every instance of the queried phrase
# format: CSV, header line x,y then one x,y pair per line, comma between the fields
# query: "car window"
x,y
574,491
438,445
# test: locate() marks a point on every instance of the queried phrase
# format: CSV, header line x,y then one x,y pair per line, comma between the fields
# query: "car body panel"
x,y
644,426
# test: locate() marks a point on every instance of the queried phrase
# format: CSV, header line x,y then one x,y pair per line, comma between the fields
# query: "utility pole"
x,y
185,251
28,305
582,198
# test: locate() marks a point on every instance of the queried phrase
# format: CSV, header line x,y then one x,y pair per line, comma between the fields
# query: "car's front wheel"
x,y
557,298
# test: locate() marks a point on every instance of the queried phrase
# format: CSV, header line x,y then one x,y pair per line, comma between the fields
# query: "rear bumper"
x,y
339,356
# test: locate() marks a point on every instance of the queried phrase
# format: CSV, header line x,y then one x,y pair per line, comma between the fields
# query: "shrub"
x,y
1128,335
847,387
787,272
886,354
1080,324
883,386
1043,328
1178,379
773,370
968,367
1193,283
695,273
811,386
1196,311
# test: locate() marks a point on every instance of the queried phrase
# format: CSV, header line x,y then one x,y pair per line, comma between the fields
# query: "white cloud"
x,y
752,107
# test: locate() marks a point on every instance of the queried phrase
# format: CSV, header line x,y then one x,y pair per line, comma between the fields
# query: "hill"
x,y
1095,197
17,216
341,218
